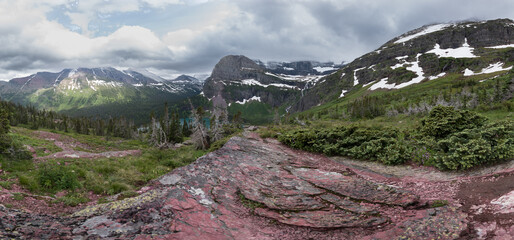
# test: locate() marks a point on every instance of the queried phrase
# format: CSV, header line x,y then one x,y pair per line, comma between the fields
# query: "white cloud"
x,y
193,35
31,42
161,3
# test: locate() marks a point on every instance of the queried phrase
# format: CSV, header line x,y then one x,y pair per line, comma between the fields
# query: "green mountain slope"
x,y
100,92
465,65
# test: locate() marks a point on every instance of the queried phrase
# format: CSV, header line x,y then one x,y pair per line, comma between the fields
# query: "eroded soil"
x,y
255,188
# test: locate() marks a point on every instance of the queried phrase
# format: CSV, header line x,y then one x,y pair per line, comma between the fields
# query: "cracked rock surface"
x,y
255,188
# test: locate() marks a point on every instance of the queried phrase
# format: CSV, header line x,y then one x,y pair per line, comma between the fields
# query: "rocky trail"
x,y
69,146
255,188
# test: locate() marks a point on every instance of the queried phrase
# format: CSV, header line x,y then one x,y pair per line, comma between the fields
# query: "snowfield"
x,y
414,67
254,98
465,51
440,75
342,93
501,46
427,30
492,68
252,82
324,69
355,79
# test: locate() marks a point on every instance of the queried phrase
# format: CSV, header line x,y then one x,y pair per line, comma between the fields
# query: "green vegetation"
x,y
448,139
439,203
485,93
104,176
6,184
249,203
253,112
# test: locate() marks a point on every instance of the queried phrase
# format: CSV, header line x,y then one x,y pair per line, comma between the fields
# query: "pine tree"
x,y
199,135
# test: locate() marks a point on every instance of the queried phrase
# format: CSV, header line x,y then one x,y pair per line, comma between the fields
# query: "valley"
x,y
414,140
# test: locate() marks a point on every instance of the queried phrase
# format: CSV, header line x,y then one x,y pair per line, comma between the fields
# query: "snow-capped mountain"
x,y
424,54
84,88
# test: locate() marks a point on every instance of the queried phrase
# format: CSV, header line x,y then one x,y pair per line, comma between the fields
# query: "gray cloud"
x,y
280,30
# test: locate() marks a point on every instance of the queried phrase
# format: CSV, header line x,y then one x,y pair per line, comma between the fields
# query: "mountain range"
x,y
260,90
464,50
98,91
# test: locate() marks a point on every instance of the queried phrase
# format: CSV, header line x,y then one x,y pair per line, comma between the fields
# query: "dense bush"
x,y
472,147
375,143
443,121
447,139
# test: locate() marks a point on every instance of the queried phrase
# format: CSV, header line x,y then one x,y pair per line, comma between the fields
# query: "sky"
x,y
171,37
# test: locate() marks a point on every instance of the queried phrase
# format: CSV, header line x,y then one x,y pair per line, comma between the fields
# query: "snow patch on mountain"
x,y
440,75
414,67
465,51
72,72
492,68
502,46
254,98
324,69
252,82
355,79
427,30
342,93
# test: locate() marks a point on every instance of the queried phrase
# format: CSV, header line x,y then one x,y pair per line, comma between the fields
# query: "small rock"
x,y
170,179
431,212
252,128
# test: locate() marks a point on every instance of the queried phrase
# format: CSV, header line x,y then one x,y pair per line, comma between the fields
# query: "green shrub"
x,y
117,187
448,139
56,177
29,182
6,184
73,199
127,194
439,203
18,196
372,143
491,143
443,121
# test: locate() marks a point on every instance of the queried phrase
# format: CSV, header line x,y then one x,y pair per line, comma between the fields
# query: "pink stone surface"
x,y
259,189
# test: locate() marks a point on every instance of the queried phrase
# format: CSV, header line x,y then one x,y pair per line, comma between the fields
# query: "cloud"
x,y
32,42
336,30
189,36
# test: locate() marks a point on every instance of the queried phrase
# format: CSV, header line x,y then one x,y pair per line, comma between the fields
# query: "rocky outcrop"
x,y
256,188
236,78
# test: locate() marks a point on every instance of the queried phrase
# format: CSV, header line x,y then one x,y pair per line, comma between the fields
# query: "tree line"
x,y
162,131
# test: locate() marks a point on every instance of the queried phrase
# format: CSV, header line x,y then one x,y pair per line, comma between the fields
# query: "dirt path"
x,y
255,188
69,144
18,197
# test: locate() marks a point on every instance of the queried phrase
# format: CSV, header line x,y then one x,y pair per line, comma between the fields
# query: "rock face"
x,y
255,189
423,54
238,78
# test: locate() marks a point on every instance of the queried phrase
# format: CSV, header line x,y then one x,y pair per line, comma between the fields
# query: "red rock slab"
x,y
322,219
347,204
278,189
436,223
356,187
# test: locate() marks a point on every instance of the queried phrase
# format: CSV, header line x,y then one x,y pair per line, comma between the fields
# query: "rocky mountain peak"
x,y
234,67
186,78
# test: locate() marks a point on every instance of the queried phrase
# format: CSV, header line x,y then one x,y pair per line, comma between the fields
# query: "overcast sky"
x,y
169,37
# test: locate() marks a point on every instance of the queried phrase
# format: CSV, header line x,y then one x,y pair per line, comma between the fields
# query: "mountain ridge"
x,y
388,65
98,91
